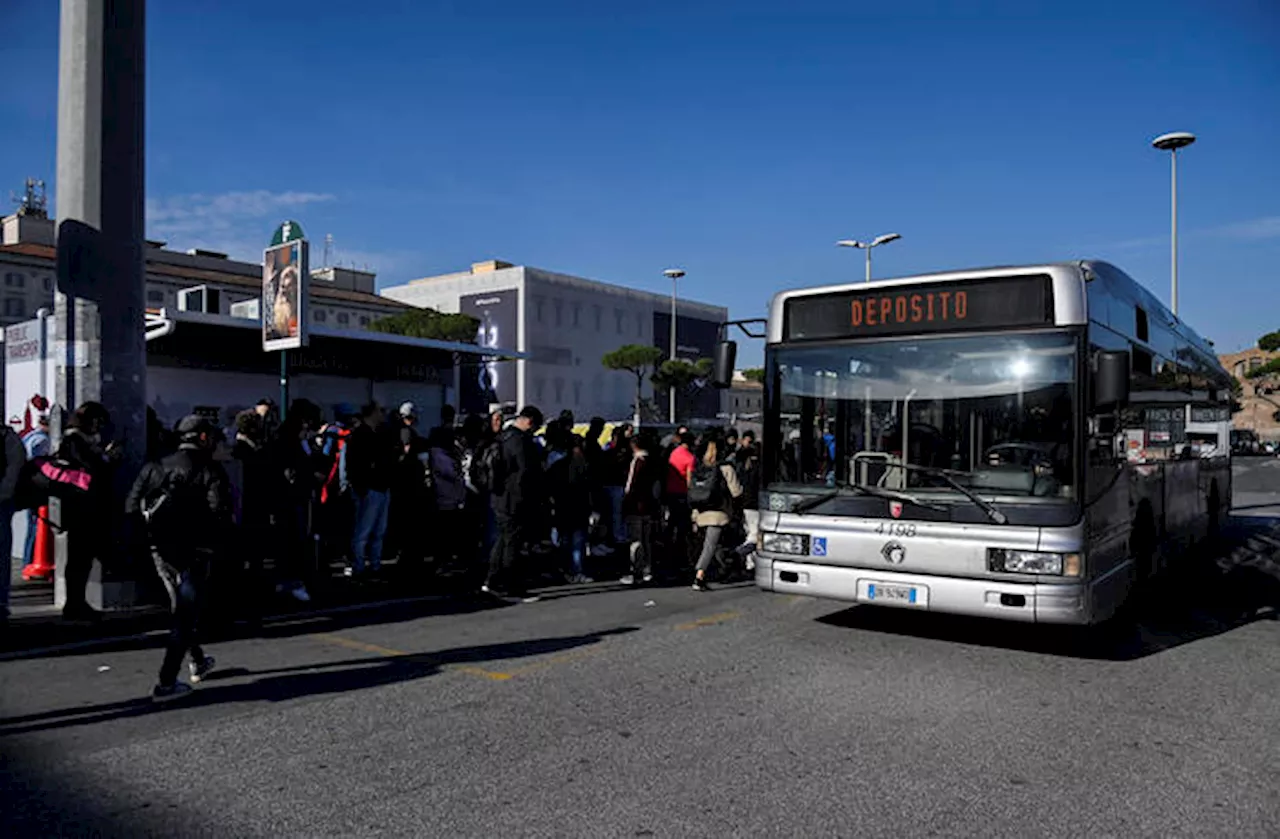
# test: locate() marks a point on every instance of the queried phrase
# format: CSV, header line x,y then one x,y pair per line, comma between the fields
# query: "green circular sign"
x,y
288,231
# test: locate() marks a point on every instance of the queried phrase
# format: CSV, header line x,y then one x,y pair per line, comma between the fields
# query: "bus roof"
x,y
1069,283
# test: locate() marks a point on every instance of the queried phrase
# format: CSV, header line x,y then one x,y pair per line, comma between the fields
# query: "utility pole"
x,y
100,347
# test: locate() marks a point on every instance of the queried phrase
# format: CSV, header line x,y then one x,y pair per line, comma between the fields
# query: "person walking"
x,y
642,506
747,464
369,462
185,504
518,493
713,487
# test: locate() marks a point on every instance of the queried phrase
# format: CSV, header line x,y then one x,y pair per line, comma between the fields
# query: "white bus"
x,y
1026,443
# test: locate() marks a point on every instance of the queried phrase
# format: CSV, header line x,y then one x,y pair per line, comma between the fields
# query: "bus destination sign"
x,y
990,303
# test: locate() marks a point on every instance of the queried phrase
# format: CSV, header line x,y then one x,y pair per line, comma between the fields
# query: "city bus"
x,y
1023,443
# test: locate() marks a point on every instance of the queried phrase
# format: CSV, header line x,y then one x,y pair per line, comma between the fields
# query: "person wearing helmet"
x,y
184,502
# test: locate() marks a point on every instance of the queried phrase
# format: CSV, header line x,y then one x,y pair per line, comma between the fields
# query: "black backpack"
x,y
707,488
486,467
171,511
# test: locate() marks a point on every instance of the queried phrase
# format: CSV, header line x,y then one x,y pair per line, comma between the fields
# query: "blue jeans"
x,y
616,523
29,549
576,546
370,527
6,545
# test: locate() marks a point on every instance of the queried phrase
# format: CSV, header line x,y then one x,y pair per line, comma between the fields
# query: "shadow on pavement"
x,y
285,683
123,635
1204,600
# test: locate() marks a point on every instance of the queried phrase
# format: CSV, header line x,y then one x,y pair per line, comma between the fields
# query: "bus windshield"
x,y
994,413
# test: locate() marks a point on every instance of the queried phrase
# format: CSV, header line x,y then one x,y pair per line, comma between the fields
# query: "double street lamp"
x,y
1171,143
883,239
673,274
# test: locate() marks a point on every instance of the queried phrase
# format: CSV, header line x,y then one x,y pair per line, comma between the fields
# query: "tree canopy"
x,y
679,373
428,323
754,374
638,360
1270,342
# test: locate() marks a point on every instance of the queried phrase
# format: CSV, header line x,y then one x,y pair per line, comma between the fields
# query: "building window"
x,y
577,394
559,304
619,316
15,307
559,392
599,313
539,388
364,320
343,318
155,296
577,314
48,283
319,315
15,280
537,308
639,324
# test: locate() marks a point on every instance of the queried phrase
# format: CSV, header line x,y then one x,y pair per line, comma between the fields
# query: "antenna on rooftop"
x,y
34,202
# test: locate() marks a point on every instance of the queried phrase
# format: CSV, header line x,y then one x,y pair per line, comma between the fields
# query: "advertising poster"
x,y
26,373
490,380
695,338
284,296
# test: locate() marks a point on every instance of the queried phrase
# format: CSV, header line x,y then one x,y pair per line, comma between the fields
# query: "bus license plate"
x,y
891,593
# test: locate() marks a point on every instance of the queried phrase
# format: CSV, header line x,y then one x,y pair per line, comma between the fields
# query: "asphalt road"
x,y
604,712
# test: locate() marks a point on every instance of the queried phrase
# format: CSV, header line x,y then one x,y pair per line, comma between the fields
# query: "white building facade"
x,y
566,325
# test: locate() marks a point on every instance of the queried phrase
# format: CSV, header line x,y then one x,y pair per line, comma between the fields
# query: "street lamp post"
x,y
867,246
1171,143
674,274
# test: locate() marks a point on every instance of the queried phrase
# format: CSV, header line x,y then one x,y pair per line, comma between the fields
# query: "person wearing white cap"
x,y
410,490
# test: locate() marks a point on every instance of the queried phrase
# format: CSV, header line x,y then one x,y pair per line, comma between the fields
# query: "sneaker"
x,y
200,669
530,598
628,580
583,578
701,585
300,594
648,578
165,693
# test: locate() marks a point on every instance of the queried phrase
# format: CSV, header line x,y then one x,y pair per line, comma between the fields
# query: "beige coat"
x,y
721,517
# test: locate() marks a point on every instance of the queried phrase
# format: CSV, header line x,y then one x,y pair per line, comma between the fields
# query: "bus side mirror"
x,y
1111,381
726,355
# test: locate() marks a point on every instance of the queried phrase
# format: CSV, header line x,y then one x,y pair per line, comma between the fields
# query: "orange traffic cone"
x,y
41,567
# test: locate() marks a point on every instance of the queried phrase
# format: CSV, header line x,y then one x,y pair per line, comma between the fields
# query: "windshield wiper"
x,y
985,506
878,492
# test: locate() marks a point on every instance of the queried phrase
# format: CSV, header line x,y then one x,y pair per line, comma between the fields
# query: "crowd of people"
x,y
495,503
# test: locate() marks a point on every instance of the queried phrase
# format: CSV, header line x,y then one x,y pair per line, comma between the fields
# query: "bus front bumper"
x,y
1060,603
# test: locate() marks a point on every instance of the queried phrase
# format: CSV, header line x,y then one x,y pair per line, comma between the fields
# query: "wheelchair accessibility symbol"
x,y
818,546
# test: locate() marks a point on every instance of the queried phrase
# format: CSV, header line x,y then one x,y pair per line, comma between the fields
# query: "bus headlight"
x,y
785,543
1006,561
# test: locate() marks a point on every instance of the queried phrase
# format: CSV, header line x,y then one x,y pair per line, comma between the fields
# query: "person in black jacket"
x,y
518,495
185,503
88,519
370,469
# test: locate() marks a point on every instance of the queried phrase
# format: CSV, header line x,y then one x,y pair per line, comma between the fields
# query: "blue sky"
x,y
613,142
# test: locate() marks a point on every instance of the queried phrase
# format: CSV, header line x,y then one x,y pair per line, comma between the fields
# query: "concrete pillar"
x,y
100,348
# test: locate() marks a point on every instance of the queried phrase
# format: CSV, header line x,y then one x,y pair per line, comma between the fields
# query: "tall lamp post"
x,y
867,246
674,274
1171,143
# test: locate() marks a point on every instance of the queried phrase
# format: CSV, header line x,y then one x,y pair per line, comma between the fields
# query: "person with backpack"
x,y
369,463
185,505
413,487
713,488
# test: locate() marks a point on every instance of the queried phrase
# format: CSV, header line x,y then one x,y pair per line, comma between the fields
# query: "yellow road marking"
x,y
709,620
360,645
